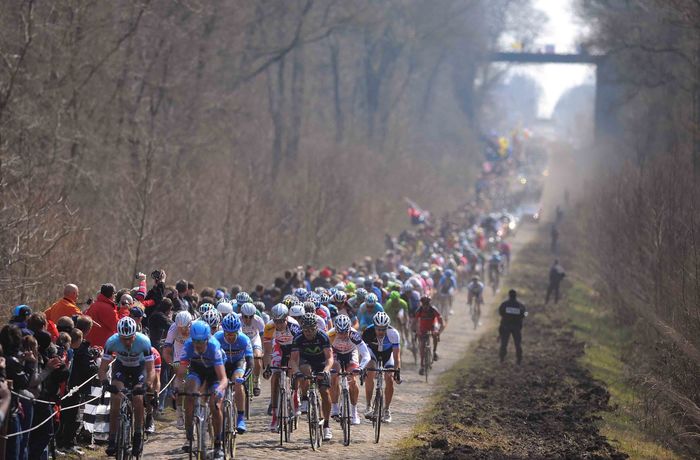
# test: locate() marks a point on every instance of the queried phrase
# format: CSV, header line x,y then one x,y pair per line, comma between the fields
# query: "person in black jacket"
x,y
20,367
157,292
556,275
512,313
83,368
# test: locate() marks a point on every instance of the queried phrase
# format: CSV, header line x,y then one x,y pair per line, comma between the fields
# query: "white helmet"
x,y
183,318
248,309
342,323
213,318
204,307
296,311
279,311
126,327
224,308
381,319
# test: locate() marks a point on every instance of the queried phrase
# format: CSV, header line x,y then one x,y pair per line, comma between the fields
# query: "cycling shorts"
x,y
318,368
234,367
386,360
202,375
129,376
348,361
256,342
280,359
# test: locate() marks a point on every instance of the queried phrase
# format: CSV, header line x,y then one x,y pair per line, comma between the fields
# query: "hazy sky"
x,y
562,31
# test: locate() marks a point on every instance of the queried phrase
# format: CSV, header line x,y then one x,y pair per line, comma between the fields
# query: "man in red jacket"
x,y
104,316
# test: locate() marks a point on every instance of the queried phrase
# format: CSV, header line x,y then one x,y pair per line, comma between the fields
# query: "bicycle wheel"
x,y
290,418
124,441
345,416
427,358
229,430
282,419
199,434
378,413
313,421
248,395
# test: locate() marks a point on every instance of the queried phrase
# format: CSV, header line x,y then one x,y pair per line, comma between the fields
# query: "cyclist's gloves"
x,y
219,393
267,373
397,376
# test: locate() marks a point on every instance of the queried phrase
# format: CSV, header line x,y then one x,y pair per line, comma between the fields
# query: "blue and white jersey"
x,y
211,357
134,356
234,352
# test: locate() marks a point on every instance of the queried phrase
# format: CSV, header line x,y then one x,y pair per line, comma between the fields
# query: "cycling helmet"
x,y
330,292
200,330
243,297
248,309
325,298
308,321
339,297
381,319
340,286
204,307
320,290
361,293
333,310
394,295
289,300
301,293
425,274
342,323
309,307
224,308
371,299
213,318
183,318
279,311
449,272
126,327
425,298
231,323
296,311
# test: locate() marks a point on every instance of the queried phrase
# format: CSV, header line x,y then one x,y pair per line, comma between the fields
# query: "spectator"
x,y
84,323
512,313
258,293
20,367
157,292
125,304
19,318
64,324
556,275
5,395
138,315
159,323
67,306
180,301
43,331
191,297
104,316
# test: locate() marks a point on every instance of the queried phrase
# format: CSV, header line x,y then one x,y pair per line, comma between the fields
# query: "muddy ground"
x,y
545,408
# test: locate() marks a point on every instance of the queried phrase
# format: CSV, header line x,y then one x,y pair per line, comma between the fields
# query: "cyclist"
x,y
368,309
132,353
309,307
277,345
351,354
384,343
238,362
428,320
202,355
340,300
253,326
495,262
178,333
475,292
311,352
213,318
446,289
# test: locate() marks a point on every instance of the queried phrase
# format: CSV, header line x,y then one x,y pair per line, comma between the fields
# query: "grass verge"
x,y
605,342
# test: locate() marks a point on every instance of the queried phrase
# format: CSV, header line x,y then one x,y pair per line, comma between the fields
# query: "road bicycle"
x,y
427,361
475,309
378,400
125,432
344,414
201,425
314,411
230,414
286,415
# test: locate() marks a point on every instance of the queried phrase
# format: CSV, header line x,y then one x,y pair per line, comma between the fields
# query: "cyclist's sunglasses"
x,y
248,316
199,341
380,328
280,321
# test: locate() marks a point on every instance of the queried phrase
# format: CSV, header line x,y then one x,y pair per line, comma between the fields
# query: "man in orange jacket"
x,y
67,306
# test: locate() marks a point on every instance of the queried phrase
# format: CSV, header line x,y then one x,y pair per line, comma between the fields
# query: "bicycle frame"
x,y
229,412
286,416
200,425
315,421
378,399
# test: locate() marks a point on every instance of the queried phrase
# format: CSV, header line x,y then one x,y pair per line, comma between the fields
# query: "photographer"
x,y
157,292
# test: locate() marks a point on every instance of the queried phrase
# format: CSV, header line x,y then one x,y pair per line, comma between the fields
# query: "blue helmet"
x,y
231,323
200,330
301,294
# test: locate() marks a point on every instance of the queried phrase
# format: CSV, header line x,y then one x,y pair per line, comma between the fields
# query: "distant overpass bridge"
x,y
607,92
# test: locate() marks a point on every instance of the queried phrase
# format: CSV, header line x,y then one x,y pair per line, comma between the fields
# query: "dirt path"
x,y
410,399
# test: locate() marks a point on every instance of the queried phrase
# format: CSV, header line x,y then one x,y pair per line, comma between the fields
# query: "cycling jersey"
x,y
239,349
255,328
134,356
281,340
382,349
475,288
211,357
427,319
447,284
311,351
157,363
365,316
350,351
175,340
